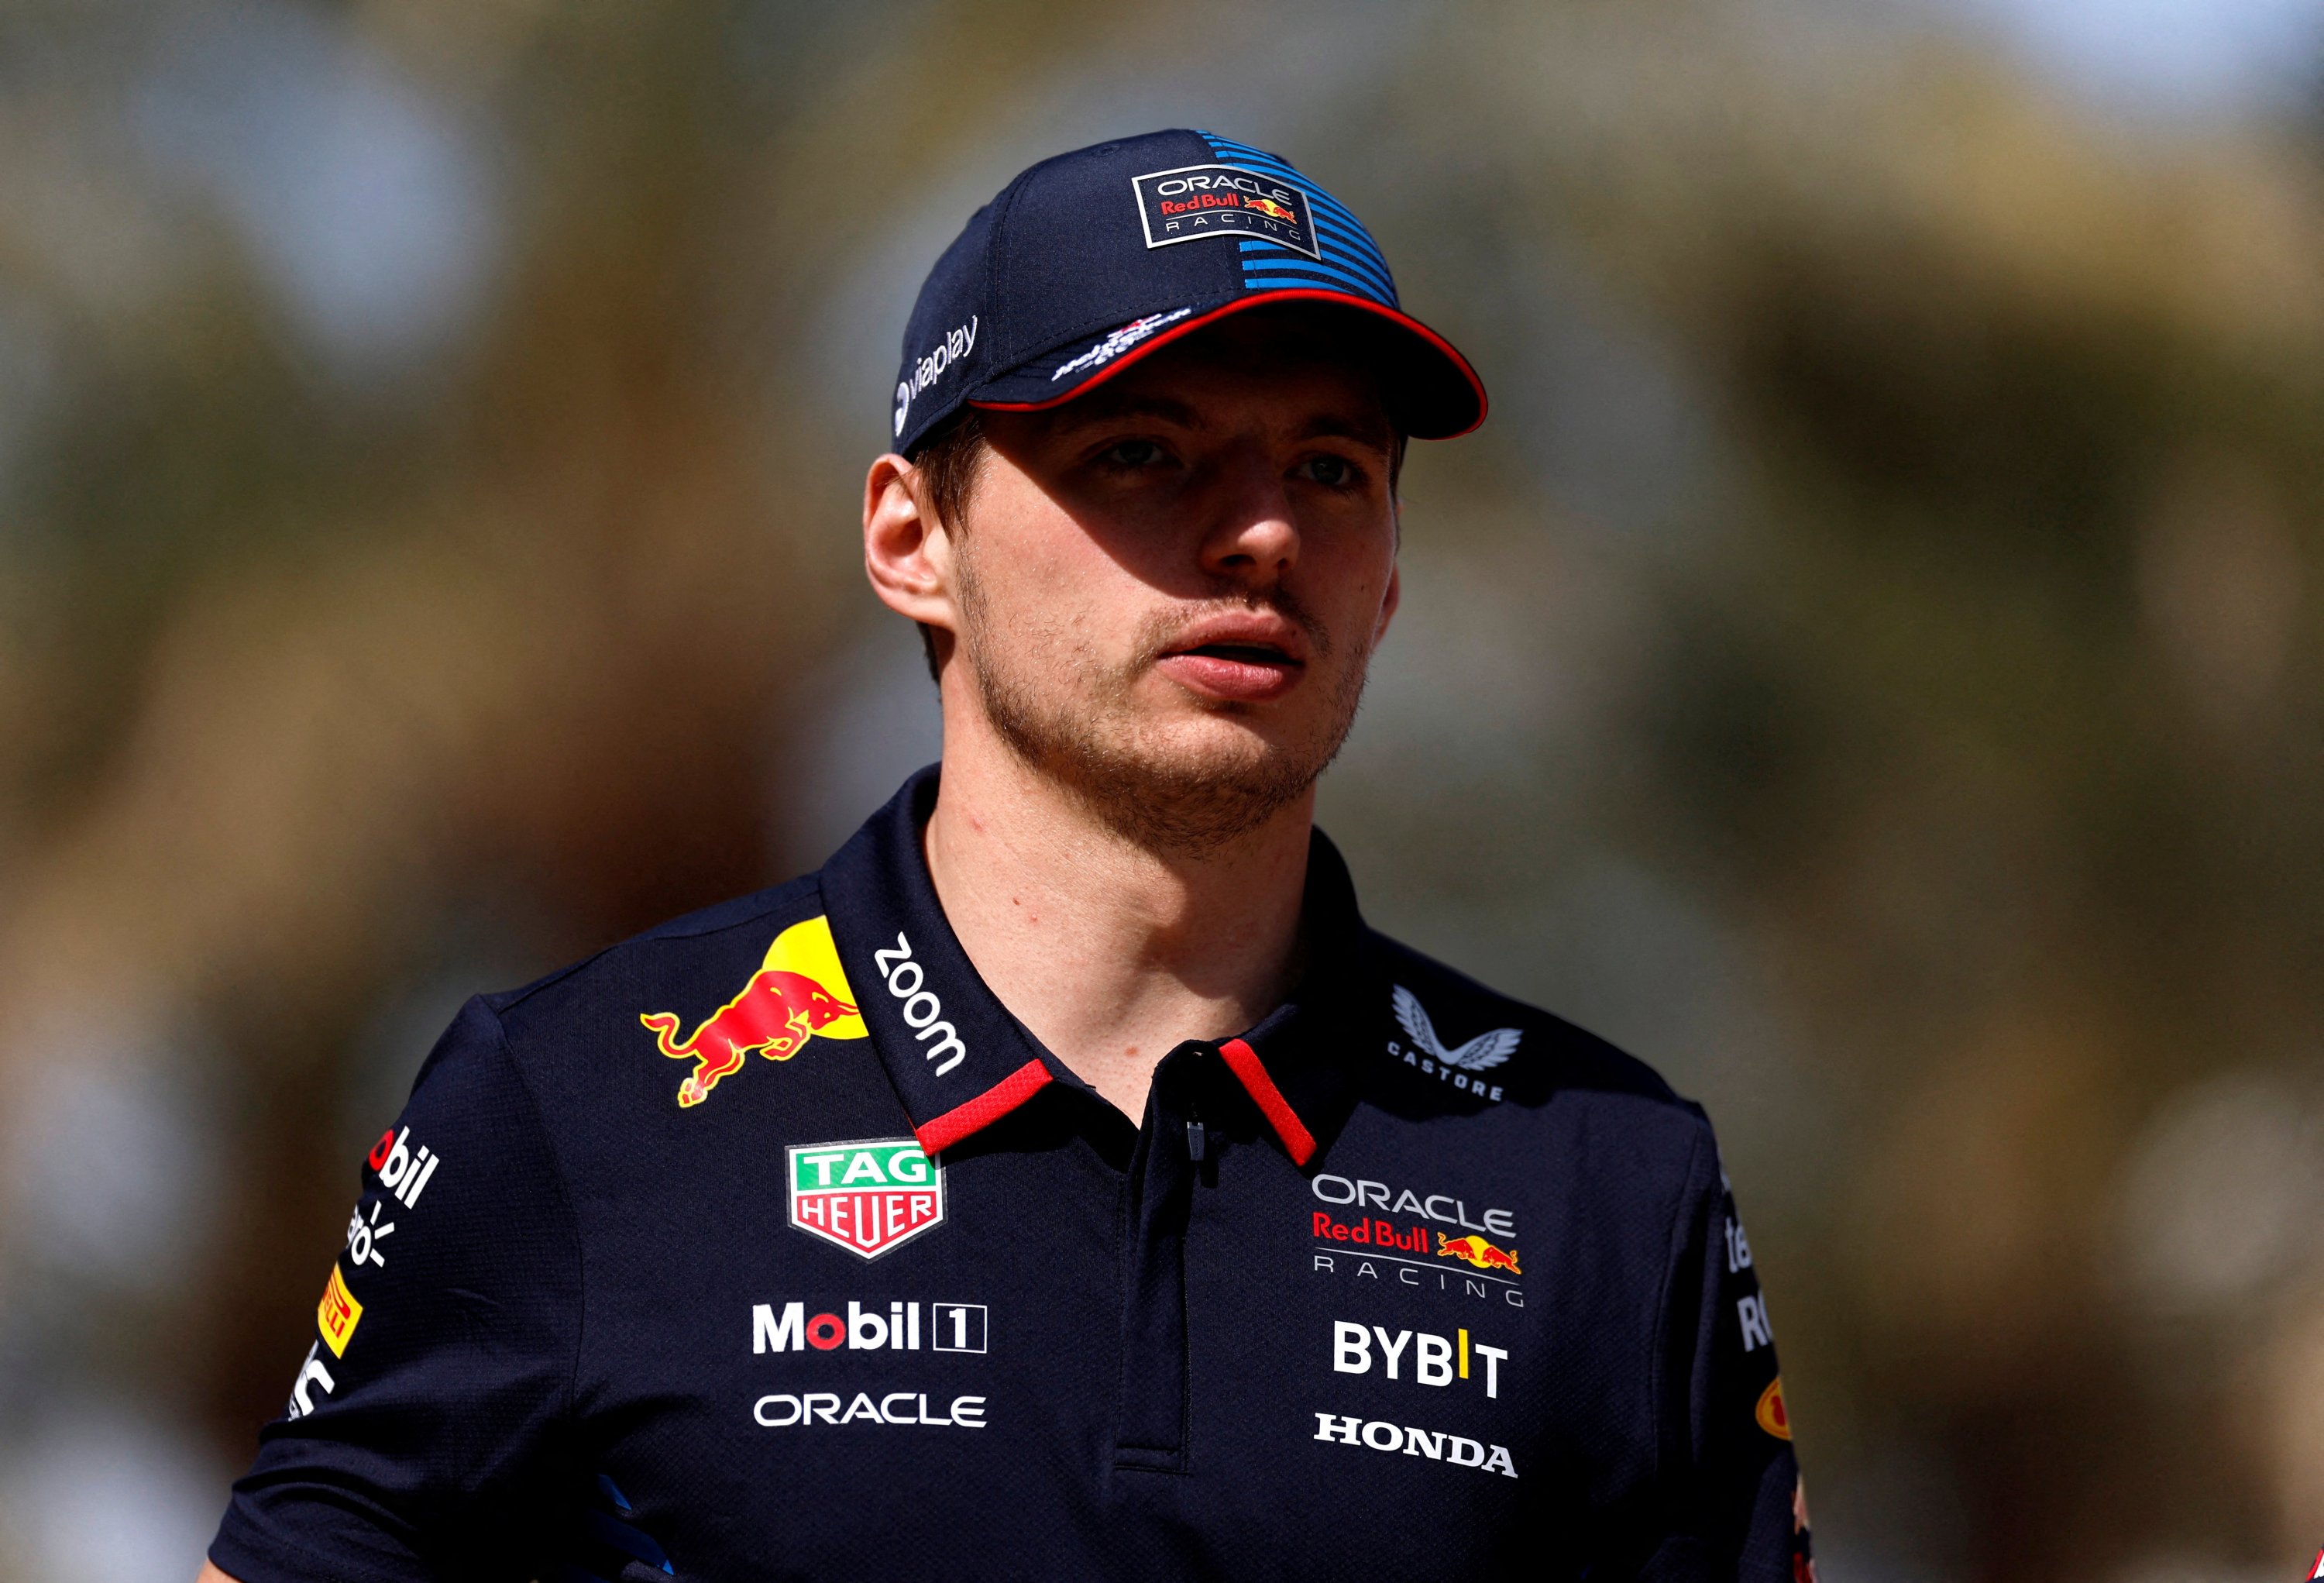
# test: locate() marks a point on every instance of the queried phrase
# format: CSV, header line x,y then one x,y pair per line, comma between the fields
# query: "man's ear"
x,y
907,554
1390,600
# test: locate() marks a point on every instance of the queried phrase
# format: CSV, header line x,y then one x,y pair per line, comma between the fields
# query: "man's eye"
x,y
1333,472
1133,453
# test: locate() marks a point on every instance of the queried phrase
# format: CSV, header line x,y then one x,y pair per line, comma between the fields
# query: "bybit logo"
x,y
1437,1360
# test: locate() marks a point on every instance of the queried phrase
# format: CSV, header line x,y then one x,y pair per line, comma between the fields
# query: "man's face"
x,y
1169,590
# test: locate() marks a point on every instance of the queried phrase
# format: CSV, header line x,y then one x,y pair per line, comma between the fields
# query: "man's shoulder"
x,y
1523,1108
662,1022
1452,1030
704,941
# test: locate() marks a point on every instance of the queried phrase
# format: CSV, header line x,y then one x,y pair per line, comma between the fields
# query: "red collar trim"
x,y
998,1100
1244,1062
1012,1091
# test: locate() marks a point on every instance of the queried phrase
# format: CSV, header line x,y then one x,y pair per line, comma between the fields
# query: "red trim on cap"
x,y
983,1111
1244,1062
1256,300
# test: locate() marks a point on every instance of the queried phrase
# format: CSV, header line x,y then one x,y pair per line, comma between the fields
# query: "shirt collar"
x,y
1298,1063
960,1061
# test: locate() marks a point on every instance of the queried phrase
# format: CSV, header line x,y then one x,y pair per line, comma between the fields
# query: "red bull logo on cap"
x,y
1478,1251
799,993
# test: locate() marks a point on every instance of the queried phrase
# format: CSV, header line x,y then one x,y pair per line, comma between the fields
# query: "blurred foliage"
x,y
1869,664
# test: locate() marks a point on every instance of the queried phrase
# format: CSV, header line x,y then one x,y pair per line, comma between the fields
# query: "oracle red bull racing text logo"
x,y
867,1197
1371,1247
799,993
1195,201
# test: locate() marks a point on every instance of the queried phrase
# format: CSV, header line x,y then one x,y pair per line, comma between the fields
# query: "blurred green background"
x,y
1868,665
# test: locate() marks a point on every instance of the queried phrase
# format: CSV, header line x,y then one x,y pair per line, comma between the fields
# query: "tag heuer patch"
x,y
1195,201
867,1197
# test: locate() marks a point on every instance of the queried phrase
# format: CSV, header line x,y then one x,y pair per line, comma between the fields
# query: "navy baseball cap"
x,y
1089,261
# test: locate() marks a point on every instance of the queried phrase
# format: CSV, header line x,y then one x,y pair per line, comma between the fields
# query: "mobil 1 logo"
x,y
951,1327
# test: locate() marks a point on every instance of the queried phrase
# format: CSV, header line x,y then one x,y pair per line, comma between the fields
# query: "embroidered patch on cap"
x,y
1196,202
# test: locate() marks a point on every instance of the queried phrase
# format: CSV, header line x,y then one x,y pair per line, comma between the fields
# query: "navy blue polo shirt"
x,y
769,1244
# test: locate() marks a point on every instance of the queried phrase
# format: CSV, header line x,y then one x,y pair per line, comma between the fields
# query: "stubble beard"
x,y
1081,729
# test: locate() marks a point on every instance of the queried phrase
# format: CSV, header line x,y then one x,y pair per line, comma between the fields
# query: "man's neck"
x,y
1111,953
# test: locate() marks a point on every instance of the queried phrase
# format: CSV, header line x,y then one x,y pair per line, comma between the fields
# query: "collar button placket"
x,y
1151,1416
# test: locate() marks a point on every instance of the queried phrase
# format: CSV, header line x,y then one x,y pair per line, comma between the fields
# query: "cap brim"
x,y
1427,385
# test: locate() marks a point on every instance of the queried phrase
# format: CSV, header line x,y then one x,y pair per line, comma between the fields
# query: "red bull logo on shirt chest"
x,y
1476,1250
799,993
866,1197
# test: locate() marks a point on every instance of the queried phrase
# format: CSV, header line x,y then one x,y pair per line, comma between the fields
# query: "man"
x,y
1118,1205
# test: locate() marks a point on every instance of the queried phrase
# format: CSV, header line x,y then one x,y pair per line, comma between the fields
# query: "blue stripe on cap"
x,y
1295,283
1326,205
1258,159
1350,234
1331,216
1338,252
1346,258
1338,277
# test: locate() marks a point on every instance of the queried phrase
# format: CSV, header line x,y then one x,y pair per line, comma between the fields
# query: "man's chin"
x,y
1165,768
1191,789
1198,744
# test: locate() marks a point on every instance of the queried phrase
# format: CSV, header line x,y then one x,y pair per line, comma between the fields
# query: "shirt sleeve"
x,y
1735,1511
422,1439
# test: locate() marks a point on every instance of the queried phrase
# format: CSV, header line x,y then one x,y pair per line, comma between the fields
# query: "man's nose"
x,y
1252,534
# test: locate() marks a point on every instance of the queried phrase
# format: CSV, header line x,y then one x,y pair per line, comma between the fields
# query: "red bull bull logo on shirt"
x,y
1771,1413
1478,1251
799,993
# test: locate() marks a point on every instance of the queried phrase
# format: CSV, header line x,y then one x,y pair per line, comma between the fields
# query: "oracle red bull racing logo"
x,y
868,1197
799,993
1196,202
1371,1247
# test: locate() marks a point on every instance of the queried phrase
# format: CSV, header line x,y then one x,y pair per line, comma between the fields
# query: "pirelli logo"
x,y
337,1314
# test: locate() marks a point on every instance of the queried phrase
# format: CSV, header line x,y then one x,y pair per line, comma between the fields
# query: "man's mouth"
x,y
1247,653
1235,669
